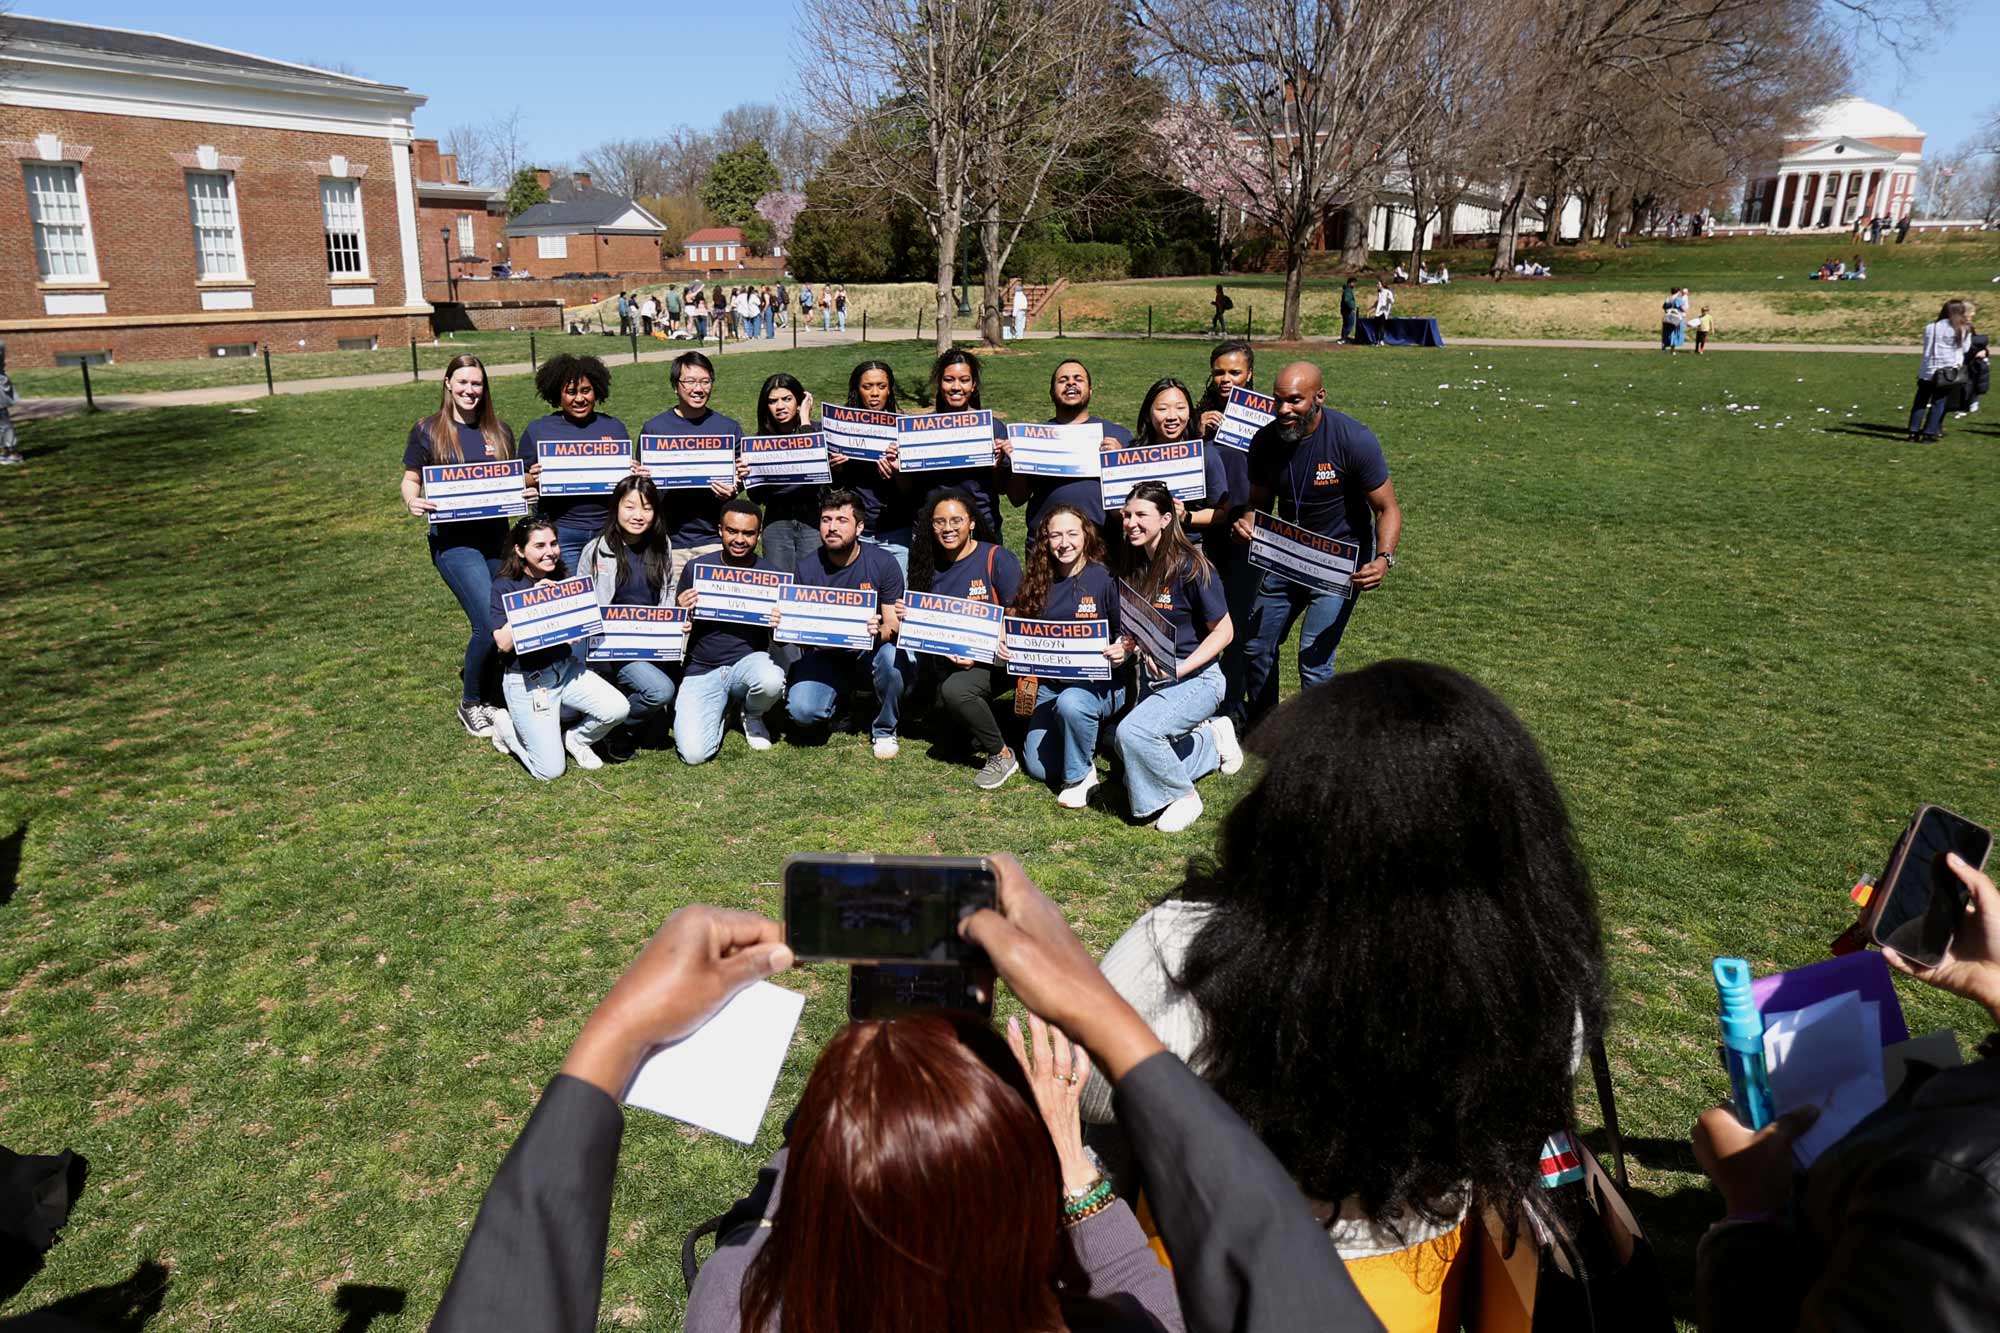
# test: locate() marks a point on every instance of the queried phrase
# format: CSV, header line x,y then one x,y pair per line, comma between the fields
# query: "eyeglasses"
x,y
695,384
947,524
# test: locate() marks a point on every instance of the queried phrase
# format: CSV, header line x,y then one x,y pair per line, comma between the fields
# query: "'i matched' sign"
x,y
583,467
642,634
553,613
821,617
1177,466
465,491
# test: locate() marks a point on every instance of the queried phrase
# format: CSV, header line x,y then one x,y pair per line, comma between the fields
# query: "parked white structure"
x,y
1856,160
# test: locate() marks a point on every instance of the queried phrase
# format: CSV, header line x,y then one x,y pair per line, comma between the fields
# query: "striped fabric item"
x,y
1562,1164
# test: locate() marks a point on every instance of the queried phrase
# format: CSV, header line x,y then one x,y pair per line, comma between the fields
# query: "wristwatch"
x,y
1387,557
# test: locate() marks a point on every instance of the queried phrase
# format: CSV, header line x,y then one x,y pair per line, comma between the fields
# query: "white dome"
x,y
1854,118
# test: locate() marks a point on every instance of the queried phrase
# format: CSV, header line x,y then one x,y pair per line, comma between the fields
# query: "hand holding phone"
x,y
885,909
1970,966
1920,900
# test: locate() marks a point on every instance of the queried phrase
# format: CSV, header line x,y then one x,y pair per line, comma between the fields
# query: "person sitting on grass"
x,y
821,676
627,564
956,555
544,687
933,1179
728,664
1445,964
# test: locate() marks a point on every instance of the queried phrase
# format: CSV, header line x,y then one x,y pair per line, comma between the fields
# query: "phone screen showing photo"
x,y
897,911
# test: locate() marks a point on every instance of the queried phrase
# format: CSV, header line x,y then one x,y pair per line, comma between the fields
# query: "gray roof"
x,y
22,31
570,205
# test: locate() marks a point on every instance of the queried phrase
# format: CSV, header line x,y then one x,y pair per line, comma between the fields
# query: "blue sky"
x,y
475,62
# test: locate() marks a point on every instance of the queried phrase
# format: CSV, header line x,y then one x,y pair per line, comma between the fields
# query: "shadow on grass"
x,y
1674,1222
10,864
1871,429
361,1304
123,1307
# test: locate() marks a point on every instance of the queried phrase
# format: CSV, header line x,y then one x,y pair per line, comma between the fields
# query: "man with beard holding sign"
x,y
1327,474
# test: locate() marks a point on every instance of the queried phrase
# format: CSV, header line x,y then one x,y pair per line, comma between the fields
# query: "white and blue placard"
x,y
583,467
858,432
786,460
821,617
740,595
1177,465
1058,649
1247,413
1152,632
687,462
949,626
1042,449
1324,564
941,440
642,634
553,613
465,491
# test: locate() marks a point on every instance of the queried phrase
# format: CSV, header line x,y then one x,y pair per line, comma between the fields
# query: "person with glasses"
x,y
689,514
956,555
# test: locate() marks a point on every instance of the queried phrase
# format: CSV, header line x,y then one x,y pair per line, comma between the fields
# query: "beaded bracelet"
x,y
1089,1200
1104,1201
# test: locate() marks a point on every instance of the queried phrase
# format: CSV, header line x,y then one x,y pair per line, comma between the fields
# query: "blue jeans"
x,y
822,676
788,541
755,681
842,317
897,544
701,328
1277,605
470,574
770,322
648,689
1062,732
1164,755
826,319
568,687
572,541
1239,591
1928,408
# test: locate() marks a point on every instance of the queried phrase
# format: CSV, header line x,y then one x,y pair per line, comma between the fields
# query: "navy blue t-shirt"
x,y
982,482
1192,604
968,576
635,582
872,568
1089,594
534,661
691,514
1083,492
790,499
488,536
1322,482
885,501
714,644
1215,490
572,512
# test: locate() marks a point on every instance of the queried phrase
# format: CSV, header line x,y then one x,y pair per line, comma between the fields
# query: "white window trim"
x,y
242,272
552,247
89,232
468,239
360,226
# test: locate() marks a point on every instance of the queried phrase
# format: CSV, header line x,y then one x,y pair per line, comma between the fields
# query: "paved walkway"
x,y
36,409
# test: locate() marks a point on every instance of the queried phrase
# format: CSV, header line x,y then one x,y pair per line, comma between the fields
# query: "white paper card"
x,y
721,1075
1829,1055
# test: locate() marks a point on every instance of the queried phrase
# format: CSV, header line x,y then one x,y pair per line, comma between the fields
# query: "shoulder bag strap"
x,y
1607,1102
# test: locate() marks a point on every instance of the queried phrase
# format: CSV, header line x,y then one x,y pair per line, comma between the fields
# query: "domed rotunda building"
x,y
1856,160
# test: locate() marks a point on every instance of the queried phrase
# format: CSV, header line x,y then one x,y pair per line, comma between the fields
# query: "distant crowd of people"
x,y
690,310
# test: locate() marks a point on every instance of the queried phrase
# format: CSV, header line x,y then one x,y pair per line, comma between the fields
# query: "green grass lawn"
x,y
289,956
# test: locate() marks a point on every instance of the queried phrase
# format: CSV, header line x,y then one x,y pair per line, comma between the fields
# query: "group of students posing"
x,y
882,529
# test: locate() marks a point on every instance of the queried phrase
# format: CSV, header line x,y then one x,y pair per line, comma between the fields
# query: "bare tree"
x,y
685,156
467,143
1450,79
1942,184
506,144
1307,84
787,138
634,168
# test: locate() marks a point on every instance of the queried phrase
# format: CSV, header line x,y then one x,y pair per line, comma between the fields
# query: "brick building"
x,y
458,223
713,247
174,199
583,229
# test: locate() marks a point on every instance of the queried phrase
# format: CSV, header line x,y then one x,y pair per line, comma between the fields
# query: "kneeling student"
x,y
727,664
627,563
954,554
823,675
542,686
1067,580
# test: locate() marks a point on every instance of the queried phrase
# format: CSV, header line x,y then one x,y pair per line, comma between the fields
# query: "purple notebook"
x,y
1866,972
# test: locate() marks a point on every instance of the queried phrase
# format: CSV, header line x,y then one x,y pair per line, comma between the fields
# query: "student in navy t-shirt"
x,y
727,664
691,512
1066,580
628,565
823,675
544,687
1172,738
955,388
1166,416
1069,390
574,386
1326,473
466,555
955,555
884,493
791,510
1231,365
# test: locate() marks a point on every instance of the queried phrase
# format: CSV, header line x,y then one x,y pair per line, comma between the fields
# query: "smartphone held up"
x,y
895,918
1919,902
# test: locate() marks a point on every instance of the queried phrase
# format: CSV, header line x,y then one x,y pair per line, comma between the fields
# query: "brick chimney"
x,y
542,177
447,165
424,164
581,179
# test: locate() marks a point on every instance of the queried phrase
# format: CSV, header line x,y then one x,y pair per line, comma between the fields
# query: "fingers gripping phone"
x,y
1919,901
848,908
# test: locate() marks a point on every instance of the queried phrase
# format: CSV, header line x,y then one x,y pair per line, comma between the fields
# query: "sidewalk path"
x,y
39,409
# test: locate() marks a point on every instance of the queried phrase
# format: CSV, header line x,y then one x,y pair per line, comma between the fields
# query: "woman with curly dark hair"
x,y
955,554
954,387
575,386
883,491
1408,853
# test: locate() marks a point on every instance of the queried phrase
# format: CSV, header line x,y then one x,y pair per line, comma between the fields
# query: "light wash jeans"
x,y
647,689
1164,754
1061,747
571,541
1278,603
822,676
754,681
1239,592
571,689
897,544
789,540
842,318
826,319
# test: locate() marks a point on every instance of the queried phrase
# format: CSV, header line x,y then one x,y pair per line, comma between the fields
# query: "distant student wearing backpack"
x,y
1223,305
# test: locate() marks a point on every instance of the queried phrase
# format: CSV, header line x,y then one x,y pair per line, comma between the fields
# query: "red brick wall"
x,y
590,254
570,291
140,220
488,239
177,342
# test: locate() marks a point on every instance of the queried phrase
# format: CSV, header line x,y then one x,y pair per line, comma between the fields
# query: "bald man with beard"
x,y
1325,472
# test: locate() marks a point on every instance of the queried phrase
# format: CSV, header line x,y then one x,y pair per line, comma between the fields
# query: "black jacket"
x,y
1248,1256
1897,1226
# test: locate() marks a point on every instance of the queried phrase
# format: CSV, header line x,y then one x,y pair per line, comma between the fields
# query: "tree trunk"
x,y
1295,271
1420,224
1354,254
989,299
1592,201
1510,230
947,243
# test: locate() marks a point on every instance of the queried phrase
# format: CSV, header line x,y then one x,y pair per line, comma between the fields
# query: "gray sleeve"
x,y
1111,1250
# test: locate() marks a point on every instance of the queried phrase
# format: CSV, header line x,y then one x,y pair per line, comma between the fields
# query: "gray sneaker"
x,y
477,719
998,769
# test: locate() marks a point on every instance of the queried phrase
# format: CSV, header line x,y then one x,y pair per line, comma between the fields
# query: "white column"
x,y
1876,191
1778,201
1798,201
1840,182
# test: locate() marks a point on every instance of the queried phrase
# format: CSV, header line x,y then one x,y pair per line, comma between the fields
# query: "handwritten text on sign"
x,y
583,467
943,440
642,634
684,462
464,491
1147,628
1176,466
786,460
553,613
1247,413
825,617
738,595
949,626
857,432
1324,564
1058,649
1041,449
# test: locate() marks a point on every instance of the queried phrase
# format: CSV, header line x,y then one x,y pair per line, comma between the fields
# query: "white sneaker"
x,y
1180,814
886,747
1077,797
757,731
503,733
579,750
1227,748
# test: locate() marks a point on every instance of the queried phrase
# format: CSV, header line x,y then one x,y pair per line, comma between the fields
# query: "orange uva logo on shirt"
x,y
1086,608
1325,475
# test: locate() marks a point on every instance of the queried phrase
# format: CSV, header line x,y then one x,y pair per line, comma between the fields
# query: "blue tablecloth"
x,y
1401,333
